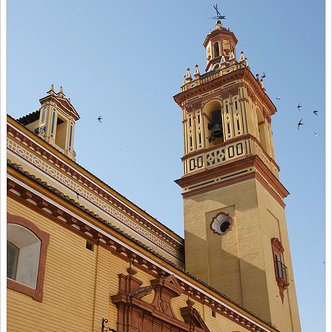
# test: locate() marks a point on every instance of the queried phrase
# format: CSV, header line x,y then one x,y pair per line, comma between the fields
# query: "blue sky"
x,y
125,60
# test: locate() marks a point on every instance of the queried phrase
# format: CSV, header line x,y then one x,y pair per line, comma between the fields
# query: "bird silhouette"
x,y
316,134
99,118
315,112
300,123
278,98
299,106
263,76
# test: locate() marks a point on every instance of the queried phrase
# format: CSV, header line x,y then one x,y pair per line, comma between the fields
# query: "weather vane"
x,y
218,16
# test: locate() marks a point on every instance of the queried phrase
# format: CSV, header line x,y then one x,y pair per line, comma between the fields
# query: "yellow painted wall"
x,y
217,324
284,314
68,285
78,284
236,257
240,262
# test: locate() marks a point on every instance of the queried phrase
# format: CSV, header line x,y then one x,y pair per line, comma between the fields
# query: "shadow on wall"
x,y
242,282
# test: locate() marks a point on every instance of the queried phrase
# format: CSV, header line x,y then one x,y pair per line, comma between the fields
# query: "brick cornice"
x,y
260,172
208,174
241,73
217,32
70,203
63,104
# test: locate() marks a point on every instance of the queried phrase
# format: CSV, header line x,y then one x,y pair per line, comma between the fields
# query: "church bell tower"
x,y
234,215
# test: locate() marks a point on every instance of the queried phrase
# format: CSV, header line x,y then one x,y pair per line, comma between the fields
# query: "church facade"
x,y
83,257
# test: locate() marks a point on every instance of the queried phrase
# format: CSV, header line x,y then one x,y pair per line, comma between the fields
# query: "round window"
x,y
221,223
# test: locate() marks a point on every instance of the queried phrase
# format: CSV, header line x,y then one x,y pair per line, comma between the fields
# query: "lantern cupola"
x,y
220,46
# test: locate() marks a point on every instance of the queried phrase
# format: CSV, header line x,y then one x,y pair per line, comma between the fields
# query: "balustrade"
x,y
226,152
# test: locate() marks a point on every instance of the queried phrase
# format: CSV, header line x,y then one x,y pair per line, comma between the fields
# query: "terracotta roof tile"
x,y
29,118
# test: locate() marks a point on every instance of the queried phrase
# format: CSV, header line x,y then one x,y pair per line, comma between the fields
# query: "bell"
x,y
215,126
216,130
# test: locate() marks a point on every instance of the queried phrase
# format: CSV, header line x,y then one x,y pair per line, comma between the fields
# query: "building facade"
x,y
83,257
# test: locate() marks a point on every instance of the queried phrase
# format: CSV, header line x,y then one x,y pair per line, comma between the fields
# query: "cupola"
x,y
54,122
220,46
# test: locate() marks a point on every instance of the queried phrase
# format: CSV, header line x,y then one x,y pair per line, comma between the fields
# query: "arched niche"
x,y
261,127
213,122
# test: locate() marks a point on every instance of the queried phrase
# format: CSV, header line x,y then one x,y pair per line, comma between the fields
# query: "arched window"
x,y
23,255
280,268
26,256
216,49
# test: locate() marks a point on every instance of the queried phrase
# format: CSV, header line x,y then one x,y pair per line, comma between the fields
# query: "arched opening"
x,y
214,126
61,132
261,124
216,49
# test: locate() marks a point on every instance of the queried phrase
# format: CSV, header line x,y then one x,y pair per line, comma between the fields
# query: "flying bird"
x,y
299,106
316,134
263,76
300,123
278,98
99,118
315,112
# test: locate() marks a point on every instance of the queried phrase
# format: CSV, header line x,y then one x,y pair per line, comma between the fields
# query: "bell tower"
x,y
54,122
234,215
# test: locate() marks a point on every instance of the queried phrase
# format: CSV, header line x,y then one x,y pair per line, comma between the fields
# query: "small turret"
x,y
219,43
54,122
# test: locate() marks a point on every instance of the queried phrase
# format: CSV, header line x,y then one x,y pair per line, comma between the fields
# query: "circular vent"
x,y
221,223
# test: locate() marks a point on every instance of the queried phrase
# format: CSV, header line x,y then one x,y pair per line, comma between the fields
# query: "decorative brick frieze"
x,y
84,187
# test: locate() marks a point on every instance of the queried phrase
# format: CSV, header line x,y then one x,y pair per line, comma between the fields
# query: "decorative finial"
x,y
231,56
187,77
222,60
197,73
60,93
51,90
130,269
242,58
218,25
